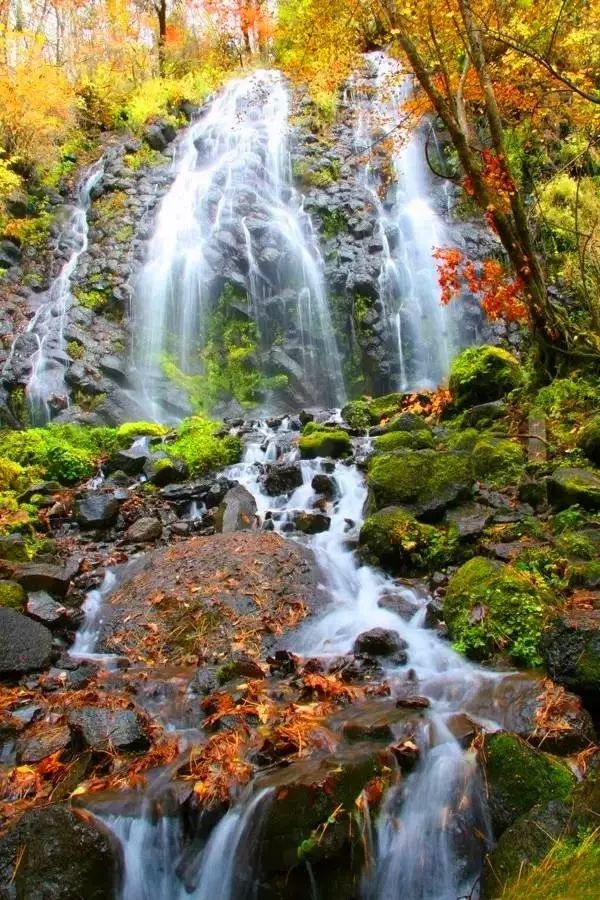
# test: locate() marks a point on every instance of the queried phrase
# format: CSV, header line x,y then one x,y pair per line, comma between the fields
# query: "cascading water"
x,y
409,227
433,831
46,389
233,241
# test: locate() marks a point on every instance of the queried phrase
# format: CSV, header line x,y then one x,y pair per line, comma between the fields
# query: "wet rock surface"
x,y
25,645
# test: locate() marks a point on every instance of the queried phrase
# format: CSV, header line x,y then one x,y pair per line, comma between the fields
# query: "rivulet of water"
x,y
46,389
232,240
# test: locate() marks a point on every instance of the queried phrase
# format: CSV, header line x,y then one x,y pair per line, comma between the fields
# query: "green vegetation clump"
x,y
394,539
424,480
318,441
491,608
481,374
385,407
401,440
90,299
202,451
497,461
65,453
12,595
75,350
12,475
570,869
131,430
356,414
145,157
334,223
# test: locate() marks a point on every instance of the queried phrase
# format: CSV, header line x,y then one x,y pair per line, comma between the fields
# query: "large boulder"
x,y
207,593
491,608
96,509
571,650
237,510
423,481
481,374
518,777
53,853
324,442
497,461
102,729
395,540
588,439
47,577
25,645
568,487
282,478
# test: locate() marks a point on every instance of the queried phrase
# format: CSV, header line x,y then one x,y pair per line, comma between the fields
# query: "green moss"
x,y
124,234
579,545
202,451
394,539
145,157
399,440
130,430
570,870
12,595
481,374
574,486
424,480
385,407
12,475
588,439
334,223
66,453
497,461
110,206
91,299
586,574
518,777
463,440
356,414
490,608
75,350
325,442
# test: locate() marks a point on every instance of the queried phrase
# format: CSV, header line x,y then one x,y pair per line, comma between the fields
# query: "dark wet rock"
x,y
67,857
325,485
164,470
571,650
143,530
45,609
469,519
533,491
10,254
13,547
518,777
484,413
588,439
524,844
205,681
381,642
56,580
568,487
543,714
180,529
311,523
401,604
159,135
25,645
96,510
41,741
45,488
100,729
378,720
282,479
356,669
130,461
237,510
239,666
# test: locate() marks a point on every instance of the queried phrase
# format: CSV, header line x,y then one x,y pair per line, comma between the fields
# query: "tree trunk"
x,y
161,13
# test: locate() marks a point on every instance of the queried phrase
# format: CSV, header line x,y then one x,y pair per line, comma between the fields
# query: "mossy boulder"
x,y
356,414
497,461
423,481
131,430
395,540
482,374
492,608
568,487
200,444
385,407
571,650
518,777
325,442
12,595
403,440
588,439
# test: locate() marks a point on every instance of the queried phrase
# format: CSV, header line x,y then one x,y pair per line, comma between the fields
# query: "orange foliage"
x,y
500,295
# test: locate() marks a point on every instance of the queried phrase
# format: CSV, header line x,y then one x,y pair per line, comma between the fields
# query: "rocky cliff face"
x,y
100,327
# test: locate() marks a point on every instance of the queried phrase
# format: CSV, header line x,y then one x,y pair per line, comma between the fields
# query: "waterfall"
x,y
409,227
232,240
46,389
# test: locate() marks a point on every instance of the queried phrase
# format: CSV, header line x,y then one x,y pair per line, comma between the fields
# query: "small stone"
x,y
96,510
326,485
282,479
380,642
240,665
102,729
55,580
143,530
42,607
311,523
42,741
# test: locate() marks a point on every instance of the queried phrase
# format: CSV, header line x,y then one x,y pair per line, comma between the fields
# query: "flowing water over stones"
x,y
408,226
44,340
432,832
232,241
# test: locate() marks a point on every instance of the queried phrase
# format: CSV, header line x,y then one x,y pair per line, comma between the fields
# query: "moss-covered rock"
x,y
497,461
491,608
130,430
518,777
424,481
385,407
394,539
568,487
324,442
199,445
12,595
356,414
571,650
403,440
481,374
588,440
